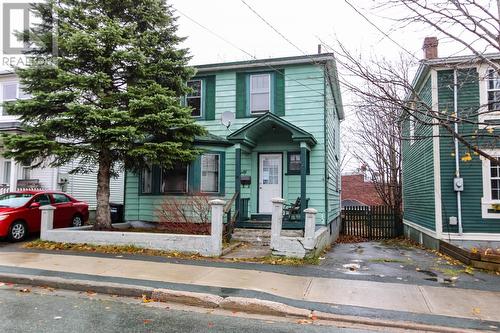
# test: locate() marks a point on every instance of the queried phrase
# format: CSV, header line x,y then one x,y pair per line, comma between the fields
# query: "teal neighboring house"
x,y
273,131
453,195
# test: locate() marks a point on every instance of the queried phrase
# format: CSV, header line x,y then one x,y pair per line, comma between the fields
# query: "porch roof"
x,y
250,133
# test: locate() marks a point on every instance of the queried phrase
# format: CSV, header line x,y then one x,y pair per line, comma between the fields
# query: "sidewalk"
x,y
333,292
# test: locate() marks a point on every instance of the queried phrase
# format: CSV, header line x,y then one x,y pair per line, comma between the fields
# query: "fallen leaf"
x,y
90,292
146,321
476,311
145,299
304,322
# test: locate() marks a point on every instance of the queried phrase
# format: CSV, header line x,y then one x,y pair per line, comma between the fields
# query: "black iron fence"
x,y
370,222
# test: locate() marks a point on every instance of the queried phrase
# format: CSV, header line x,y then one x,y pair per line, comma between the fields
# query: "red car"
x,y
20,212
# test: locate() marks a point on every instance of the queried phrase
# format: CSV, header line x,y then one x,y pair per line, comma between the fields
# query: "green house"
x,y
273,129
452,194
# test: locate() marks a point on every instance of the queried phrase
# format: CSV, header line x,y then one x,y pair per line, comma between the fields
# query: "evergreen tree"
x,y
106,88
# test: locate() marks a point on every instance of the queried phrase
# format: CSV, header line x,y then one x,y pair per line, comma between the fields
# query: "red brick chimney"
x,y
430,47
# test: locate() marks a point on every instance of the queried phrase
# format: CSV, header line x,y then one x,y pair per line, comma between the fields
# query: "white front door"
x,y
270,166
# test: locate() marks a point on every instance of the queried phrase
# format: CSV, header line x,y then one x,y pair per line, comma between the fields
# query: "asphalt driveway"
x,y
399,260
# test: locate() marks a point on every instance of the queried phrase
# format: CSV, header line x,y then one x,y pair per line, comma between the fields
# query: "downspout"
x,y
457,155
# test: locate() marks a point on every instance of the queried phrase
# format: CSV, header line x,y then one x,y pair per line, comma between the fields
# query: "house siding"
x,y
471,172
418,171
304,107
332,150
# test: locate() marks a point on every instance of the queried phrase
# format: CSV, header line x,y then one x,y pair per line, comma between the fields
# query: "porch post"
x,y
237,182
13,175
303,172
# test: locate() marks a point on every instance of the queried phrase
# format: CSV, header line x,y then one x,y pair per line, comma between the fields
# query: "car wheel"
x,y
77,221
18,231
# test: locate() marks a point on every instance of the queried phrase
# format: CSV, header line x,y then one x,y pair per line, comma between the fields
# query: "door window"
x,y
270,171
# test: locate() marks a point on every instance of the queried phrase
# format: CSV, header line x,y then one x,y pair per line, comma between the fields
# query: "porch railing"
x,y
231,214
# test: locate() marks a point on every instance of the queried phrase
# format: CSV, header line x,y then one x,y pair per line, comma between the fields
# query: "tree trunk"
x,y
103,216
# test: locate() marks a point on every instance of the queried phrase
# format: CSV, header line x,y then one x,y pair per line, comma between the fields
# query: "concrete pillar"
x,y
276,221
13,175
217,226
310,225
47,222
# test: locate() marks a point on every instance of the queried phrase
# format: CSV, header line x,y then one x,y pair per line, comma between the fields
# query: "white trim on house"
x,y
420,228
493,237
436,157
486,200
484,115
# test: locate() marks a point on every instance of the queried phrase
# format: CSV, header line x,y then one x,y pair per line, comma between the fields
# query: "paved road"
x,y
53,311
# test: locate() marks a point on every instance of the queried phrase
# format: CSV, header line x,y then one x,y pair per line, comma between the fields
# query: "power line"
x,y
379,30
272,27
244,51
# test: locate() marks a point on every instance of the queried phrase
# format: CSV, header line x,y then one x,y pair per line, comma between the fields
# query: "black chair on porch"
x,y
291,212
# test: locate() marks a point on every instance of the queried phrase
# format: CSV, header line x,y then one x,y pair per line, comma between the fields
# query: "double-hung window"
x,y
260,93
174,180
194,99
210,166
495,181
493,91
10,91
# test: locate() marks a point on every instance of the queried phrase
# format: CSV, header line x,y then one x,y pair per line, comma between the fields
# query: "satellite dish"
x,y
227,118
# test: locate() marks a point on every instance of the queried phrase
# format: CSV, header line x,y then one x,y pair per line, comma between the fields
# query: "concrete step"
x,y
261,236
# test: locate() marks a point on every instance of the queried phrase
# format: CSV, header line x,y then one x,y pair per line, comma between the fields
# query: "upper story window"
x,y
493,91
194,99
12,91
9,92
260,93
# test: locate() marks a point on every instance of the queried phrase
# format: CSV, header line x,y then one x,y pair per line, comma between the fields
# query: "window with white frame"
x,y
493,91
6,172
26,172
194,99
9,91
174,180
210,166
260,93
412,129
490,200
495,180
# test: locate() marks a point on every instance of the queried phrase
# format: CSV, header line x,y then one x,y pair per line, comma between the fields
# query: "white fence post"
x,y
217,226
276,221
47,222
310,227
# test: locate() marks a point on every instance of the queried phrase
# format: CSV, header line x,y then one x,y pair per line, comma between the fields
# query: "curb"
x,y
211,301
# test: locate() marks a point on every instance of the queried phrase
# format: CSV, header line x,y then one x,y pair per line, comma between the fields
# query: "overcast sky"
x,y
303,23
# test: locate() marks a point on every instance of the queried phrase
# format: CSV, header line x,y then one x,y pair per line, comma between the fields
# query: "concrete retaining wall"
x,y
314,240
201,244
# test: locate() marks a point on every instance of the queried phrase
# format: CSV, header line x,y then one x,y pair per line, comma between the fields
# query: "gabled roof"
x,y
250,133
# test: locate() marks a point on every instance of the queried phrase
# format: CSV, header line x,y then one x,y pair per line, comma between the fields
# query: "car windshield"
x,y
14,200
